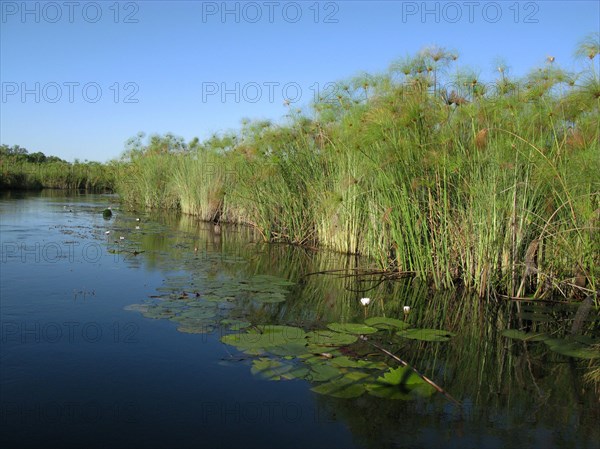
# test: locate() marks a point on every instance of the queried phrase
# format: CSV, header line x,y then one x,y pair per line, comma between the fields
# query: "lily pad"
x,y
572,348
348,386
159,312
352,328
258,340
235,325
330,338
347,362
323,372
137,307
381,322
198,313
426,334
275,370
399,383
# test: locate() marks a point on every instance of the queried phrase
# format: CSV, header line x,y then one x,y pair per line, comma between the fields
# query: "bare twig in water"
x,y
403,363
344,272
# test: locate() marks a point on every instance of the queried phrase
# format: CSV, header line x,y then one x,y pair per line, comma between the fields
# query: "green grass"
x,y
18,174
492,189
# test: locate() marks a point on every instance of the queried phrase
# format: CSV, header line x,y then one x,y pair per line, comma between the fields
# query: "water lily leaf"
x,y
426,334
287,332
235,325
330,338
525,336
295,348
317,349
173,304
348,386
400,383
137,307
318,358
198,313
323,372
259,339
345,362
275,370
159,312
352,328
381,322
402,375
572,348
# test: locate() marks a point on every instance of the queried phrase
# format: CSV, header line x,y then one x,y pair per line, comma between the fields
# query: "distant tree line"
x,y
22,170
22,155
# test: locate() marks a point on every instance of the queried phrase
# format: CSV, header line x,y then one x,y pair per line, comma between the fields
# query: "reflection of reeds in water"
x,y
492,374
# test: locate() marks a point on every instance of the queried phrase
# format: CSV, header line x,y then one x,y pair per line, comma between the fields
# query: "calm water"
x,y
110,342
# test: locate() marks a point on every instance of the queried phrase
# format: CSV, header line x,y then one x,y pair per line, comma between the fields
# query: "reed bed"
x,y
18,174
492,187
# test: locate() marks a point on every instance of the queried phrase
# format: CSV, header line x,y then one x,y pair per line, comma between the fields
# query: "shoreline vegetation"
x,y
21,170
425,169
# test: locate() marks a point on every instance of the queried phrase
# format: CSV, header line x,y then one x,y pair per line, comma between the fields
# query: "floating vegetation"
x,y
381,322
320,356
576,346
426,334
210,291
400,383
352,328
276,370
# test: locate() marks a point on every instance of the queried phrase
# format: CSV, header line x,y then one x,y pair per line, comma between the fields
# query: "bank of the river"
x,y
20,170
489,186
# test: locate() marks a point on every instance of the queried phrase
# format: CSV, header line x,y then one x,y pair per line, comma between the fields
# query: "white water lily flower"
x,y
365,301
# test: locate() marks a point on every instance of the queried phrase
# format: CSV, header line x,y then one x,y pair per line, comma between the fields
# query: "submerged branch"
x,y
403,363
362,272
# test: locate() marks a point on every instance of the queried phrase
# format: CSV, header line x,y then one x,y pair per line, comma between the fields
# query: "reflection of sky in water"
x,y
79,369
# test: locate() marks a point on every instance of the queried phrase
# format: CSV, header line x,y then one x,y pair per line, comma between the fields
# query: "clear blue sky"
x,y
70,71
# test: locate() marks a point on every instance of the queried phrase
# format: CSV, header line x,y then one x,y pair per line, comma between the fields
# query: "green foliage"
x,y
491,186
20,170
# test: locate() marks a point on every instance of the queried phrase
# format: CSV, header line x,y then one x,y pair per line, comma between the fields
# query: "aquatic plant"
x,y
459,182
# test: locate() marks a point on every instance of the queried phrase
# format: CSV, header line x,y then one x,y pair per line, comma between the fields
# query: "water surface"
x,y
110,341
